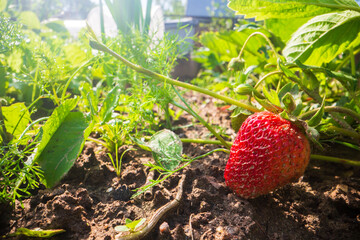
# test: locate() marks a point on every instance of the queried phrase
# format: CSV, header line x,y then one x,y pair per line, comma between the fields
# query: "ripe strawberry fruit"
x,y
268,152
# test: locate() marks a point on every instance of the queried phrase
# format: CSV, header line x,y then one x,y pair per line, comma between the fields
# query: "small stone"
x,y
164,228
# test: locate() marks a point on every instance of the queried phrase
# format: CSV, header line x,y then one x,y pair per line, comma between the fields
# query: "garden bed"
x,y
90,201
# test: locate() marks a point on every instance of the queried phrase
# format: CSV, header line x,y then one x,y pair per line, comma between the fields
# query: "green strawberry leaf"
x,y
353,146
291,88
312,134
348,81
268,105
51,126
323,38
310,81
316,119
289,102
272,96
281,27
238,116
288,9
288,116
288,73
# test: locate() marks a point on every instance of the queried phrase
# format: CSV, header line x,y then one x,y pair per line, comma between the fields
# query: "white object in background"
x,y
157,25
93,19
74,26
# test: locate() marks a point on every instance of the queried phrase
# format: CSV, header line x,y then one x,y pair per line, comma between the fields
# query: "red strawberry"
x,y
268,152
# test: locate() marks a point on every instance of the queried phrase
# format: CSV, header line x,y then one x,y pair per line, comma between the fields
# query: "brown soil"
x,y
90,201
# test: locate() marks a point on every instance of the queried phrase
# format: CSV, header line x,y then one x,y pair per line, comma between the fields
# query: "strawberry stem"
x,y
335,160
344,132
312,156
266,76
346,111
101,47
204,141
194,114
265,37
201,141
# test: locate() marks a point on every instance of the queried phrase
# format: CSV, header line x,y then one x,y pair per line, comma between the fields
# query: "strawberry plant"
x,y
309,94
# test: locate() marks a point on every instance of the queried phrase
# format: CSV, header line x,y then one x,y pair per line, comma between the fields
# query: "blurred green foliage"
x,y
42,68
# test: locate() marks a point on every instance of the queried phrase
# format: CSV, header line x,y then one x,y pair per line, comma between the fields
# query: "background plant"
x,y
128,15
65,88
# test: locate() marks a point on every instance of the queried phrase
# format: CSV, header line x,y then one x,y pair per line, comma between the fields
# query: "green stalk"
x,y
30,126
266,76
312,156
346,111
204,141
204,123
118,170
335,160
72,77
352,61
211,152
264,36
346,59
98,141
197,116
120,161
35,82
345,132
162,78
3,131
198,140
167,117
54,94
278,87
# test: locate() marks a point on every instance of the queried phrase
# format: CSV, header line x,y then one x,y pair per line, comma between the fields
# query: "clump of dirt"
x,y
91,200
